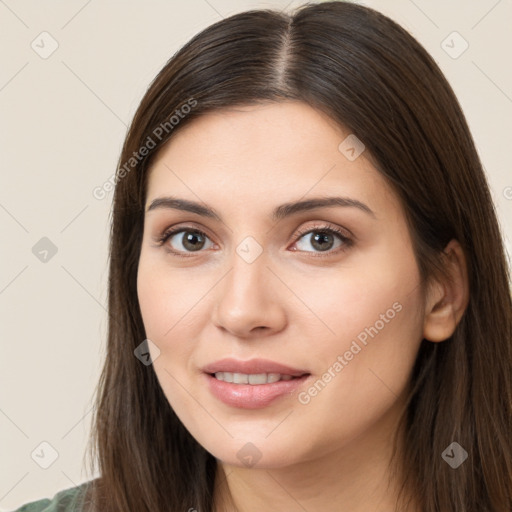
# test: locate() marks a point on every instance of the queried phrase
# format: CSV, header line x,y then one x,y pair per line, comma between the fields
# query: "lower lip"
x,y
249,396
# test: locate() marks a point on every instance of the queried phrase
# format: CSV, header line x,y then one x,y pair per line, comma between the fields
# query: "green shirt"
x,y
68,500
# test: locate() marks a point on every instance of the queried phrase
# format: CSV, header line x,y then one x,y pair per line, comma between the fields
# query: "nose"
x,y
248,302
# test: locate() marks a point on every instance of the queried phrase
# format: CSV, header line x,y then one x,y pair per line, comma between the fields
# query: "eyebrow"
x,y
279,213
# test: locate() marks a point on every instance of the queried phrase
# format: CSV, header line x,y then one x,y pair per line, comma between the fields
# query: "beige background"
x,y
63,119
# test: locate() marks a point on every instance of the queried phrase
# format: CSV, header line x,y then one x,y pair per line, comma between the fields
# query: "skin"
x,y
288,306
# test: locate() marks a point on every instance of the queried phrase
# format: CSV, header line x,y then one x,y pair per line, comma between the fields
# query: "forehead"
x,y
257,155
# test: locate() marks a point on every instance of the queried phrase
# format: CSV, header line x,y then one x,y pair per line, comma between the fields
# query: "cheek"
x,y
152,301
164,302
166,297
374,297
378,323
379,296
173,312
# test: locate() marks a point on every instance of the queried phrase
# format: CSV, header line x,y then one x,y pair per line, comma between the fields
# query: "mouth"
x,y
253,379
255,368
253,384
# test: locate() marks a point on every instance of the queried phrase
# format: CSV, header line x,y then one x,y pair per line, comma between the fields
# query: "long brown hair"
x,y
370,75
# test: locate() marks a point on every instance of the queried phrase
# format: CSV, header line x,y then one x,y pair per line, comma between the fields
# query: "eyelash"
x,y
325,229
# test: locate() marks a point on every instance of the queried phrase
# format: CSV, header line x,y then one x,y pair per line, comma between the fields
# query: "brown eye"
x,y
186,240
322,240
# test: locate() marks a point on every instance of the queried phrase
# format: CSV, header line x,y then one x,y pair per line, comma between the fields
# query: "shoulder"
x,y
68,500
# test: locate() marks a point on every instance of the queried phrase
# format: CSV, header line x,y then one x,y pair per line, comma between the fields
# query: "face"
x,y
312,310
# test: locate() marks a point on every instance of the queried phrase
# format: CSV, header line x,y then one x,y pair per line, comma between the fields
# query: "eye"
x,y
322,239
328,239
183,240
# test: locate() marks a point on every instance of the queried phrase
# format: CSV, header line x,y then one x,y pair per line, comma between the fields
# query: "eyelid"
x,y
180,227
325,226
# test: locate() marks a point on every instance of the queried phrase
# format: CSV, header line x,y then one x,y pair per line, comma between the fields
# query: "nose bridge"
x,y
248,280
247,298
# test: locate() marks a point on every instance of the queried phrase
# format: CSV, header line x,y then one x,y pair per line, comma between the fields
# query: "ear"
x,y
446,301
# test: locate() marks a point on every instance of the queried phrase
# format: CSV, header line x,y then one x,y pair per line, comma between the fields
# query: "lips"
x,y
252,384
252,378
253,366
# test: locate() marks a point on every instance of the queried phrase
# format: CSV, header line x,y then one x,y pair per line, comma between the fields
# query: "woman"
x,y
308,296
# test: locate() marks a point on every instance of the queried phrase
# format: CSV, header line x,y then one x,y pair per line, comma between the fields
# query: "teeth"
x,y
257,378
273,377
240,378
253,378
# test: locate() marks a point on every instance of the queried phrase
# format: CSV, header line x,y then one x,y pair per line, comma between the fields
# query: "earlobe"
x,y
446,301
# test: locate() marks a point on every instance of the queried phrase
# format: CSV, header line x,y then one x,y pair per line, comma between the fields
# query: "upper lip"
x,y
252,366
